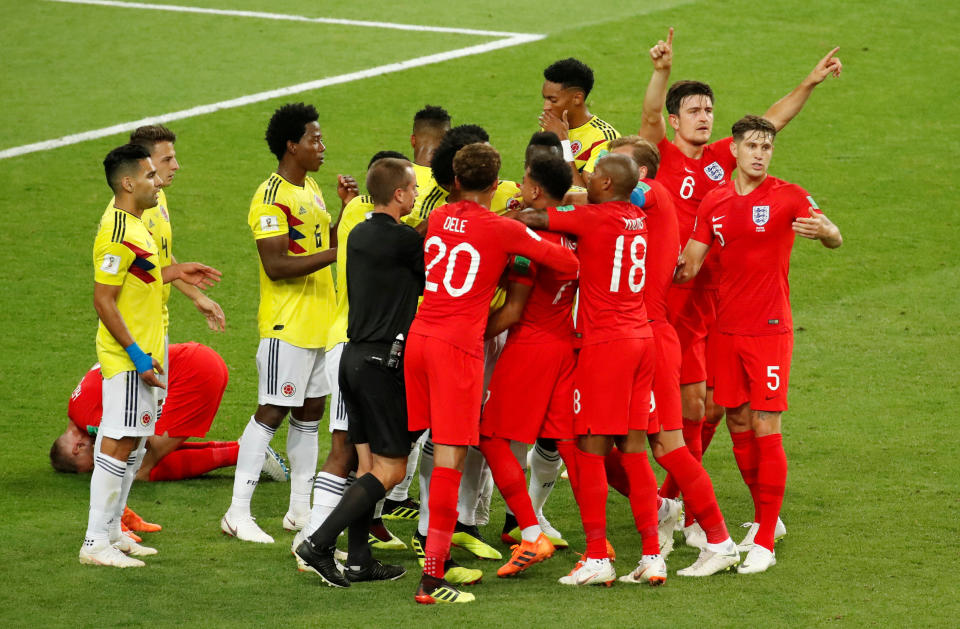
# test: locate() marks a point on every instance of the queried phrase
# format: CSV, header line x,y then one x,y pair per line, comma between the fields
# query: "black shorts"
x,y
375,399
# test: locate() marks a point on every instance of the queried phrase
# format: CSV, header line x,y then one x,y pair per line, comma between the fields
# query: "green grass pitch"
x,y
872,499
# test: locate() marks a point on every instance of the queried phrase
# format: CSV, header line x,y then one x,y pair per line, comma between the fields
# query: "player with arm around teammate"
x,y
751,222
465,252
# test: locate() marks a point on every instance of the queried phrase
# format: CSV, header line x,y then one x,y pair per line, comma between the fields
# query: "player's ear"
x,y
674,121
733,148
292,147
413,141
578,98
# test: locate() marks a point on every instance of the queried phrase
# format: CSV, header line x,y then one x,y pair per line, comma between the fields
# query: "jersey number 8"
x,y
463,248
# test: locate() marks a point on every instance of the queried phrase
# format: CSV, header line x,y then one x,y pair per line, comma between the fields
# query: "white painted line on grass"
x,y
510,39
292,18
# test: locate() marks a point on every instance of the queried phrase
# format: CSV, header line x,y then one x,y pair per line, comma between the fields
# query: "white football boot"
x,y
695,536
667,524
274,467
129,547
712,561
747,544
757,560
653,572
244,528
593,571
104,554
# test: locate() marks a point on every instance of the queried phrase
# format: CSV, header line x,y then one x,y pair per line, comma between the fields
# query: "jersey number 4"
x,y
461,251
636,275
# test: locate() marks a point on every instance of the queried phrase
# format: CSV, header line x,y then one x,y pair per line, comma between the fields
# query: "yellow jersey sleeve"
x,y
125,255
587,140
297,310
506,197
157,222
354,214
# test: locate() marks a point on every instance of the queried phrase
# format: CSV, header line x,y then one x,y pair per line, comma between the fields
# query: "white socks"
x,y
302,452
426,470
105,485
327,492
470,482
133,466
253,444
402,491
544,468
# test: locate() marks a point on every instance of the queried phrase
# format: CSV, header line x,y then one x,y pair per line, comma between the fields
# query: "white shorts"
x,y
289,374
129,407
164,377
338,410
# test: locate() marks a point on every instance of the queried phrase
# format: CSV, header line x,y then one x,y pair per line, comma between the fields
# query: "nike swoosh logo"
x,y
716,218
688,170
232,529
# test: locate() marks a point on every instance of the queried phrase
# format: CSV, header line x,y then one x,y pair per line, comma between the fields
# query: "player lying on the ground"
x,y
751,223
194,392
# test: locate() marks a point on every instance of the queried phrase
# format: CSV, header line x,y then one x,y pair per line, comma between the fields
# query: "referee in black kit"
x,y
385,277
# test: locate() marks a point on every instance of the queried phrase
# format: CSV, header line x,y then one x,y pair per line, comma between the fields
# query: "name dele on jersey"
x,y
456,225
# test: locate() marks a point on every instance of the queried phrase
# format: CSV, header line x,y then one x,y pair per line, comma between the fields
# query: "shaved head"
x,y
621,169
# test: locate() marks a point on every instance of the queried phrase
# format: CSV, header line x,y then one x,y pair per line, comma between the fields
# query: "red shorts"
x,y
531,393
666,412
444,387
692,312
198,378
753,369
612,387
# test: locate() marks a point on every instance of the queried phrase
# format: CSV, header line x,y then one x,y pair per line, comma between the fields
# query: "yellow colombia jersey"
x,y
297,310
125,255
436,196
587,140
352,215
157,222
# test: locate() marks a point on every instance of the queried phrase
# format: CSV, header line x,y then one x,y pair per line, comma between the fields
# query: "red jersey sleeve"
x,y
523,270
522,240
804,203
85,408
569,219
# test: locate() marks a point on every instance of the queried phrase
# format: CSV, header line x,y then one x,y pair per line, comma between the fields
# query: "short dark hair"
x,y
753,123
384,154
622,170
551,172
542,143
58,456
121,160
385,176
682,89
149,135
476,166
288,124
570,73
644,152
456,138
431,117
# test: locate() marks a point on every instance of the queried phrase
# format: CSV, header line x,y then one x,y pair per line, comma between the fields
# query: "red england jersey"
x,y
688,181
612,247
546,316
755,236
465,252
664,249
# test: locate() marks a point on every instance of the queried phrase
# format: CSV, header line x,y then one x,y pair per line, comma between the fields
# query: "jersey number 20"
x,y
463,249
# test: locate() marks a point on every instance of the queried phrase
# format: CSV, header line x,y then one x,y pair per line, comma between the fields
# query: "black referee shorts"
x,y
375,399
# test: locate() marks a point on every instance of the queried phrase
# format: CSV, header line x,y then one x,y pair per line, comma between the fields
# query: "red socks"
x,y
771,482
444,489
195,459
567,450
748,458
707,431
691,437
592,497
643,498
697,492
510,479
616,475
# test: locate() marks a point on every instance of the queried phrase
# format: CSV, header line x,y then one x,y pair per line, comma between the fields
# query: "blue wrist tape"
x,y
141,361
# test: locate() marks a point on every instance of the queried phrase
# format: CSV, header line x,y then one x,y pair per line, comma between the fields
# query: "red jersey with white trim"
x,y
664,248
612,248
546,316
688,181
755,236
465,252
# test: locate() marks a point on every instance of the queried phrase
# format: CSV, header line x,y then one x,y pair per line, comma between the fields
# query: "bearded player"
x,y
690,167
751,223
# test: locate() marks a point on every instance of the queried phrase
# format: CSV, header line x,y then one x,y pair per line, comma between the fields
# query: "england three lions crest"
x,y
714,171
761,214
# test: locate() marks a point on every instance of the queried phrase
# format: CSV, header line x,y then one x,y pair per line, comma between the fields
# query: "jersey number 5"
x,y
464,248
638,255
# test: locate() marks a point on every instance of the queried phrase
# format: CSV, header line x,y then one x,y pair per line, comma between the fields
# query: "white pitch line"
x,y
292,18
514,39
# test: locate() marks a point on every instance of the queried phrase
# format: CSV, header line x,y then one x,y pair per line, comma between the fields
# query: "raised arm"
x,y
818,227
525,242
785,109
652,125
691,258
534,219
511,310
